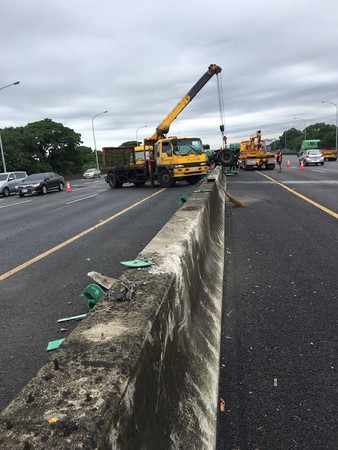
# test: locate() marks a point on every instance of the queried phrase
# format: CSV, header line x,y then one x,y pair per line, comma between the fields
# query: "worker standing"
x,y
279,159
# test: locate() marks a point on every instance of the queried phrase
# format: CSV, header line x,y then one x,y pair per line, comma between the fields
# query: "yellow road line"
x,y
317,205
74,238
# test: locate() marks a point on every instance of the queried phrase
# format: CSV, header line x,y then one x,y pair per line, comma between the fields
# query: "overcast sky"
x,y
136,59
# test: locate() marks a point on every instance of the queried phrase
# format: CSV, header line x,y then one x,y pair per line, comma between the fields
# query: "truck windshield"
x,y
186,146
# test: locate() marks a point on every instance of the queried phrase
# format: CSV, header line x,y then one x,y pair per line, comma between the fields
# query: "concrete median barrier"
x,y
140,373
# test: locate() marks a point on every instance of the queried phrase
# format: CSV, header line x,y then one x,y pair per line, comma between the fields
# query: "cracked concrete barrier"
x,y
139,374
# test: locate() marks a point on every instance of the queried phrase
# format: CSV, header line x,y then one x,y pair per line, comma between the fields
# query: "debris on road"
x,y
203,190
124,291
93,293
53,345
72,319
182,199
52,420
138,263
106,282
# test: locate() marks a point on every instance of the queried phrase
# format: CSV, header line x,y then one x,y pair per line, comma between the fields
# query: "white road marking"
x,y
75,238
291,182
80,199
15,204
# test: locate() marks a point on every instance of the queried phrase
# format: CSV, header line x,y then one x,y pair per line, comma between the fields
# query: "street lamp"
x,y
143,126
1,147
323,101
298,118
97,160
12,84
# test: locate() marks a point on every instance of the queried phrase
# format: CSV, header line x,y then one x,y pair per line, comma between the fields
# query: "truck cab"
x,y
179,158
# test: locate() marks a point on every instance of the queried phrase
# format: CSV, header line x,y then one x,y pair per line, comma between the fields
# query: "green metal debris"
x,y
93,293
138,263
53,345
203,190
183,199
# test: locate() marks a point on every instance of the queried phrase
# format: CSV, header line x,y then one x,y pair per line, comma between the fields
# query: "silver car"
x,y
311,156
9,182
92,173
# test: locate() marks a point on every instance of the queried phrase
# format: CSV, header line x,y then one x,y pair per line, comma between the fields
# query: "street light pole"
x,y
12,84
143,126
1,147
97,160
2,155
298,118
332,103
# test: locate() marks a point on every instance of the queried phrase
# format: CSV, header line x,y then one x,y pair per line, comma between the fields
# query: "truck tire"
x,y
226,158
113,182
165,179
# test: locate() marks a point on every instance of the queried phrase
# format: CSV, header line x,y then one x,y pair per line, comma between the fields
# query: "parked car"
x,y
311,156
9,182
92,173
41,183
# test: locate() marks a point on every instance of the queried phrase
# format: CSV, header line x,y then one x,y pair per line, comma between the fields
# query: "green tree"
x,y
45,145
323,131
56,145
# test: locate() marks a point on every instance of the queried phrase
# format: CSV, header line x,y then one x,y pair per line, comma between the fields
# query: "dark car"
x,y
41,183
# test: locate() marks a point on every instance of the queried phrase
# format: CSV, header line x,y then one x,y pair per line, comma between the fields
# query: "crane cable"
x,y
221,109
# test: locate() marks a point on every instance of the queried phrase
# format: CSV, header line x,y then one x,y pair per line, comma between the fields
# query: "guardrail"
x,y
139,373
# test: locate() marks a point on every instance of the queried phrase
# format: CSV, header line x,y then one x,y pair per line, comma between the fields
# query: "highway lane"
x,y
278,368
36,296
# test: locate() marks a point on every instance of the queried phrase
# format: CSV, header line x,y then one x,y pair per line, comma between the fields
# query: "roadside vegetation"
x,y
291,139
45,146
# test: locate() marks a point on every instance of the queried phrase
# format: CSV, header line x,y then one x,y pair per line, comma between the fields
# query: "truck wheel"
x,y
165,179
113,182
226,158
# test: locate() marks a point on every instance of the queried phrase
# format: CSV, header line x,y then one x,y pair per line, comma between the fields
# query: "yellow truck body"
x,y
329,155
253,154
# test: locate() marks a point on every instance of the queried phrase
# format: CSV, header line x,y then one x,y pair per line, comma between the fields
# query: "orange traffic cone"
x,y
301,165
68,189
288,164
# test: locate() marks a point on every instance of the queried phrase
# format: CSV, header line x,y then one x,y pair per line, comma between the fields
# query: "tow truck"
x,y
253,154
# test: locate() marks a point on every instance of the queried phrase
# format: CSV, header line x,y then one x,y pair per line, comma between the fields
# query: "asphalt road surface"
x,y
49,244
278,368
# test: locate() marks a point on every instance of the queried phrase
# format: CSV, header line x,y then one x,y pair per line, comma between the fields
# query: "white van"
x,y
9,181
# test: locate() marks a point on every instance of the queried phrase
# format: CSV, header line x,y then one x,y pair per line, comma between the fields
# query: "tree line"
x,y
291,139
45,146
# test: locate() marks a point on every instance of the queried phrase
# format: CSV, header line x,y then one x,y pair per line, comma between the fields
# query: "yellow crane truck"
x,y
253,154
162,158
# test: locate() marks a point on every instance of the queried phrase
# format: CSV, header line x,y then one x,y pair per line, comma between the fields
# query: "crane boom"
x,y
164,126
